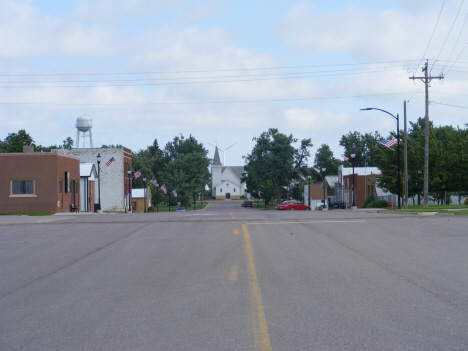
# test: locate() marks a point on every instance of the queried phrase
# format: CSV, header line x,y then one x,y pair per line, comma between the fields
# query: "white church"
x,y
226,181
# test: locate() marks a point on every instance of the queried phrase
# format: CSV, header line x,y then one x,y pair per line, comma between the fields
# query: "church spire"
x,y
216,160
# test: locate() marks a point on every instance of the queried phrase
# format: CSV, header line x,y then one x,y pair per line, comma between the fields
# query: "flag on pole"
x,y
285,187
303,178
259,193
317,170
154,181
175,193
108,163
292,185
137,174
346,158
388,143
163,188
253,191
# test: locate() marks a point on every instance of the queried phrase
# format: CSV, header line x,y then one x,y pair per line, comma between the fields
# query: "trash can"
x,y
97,207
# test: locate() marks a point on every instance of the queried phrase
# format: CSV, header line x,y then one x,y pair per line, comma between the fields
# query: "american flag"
x,y
154,181
285,187
163,188
108,163
317,170
292,184
259,193
388,143
137,174
175,193
302,177
253,191
346,158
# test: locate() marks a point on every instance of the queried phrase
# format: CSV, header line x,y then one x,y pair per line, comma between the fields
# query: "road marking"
x,y
260,329
235,231
233,273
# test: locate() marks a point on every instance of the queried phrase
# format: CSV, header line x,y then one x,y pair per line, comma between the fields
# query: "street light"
x,y
144,194
353,156
129,172
398,146
323,175
99,179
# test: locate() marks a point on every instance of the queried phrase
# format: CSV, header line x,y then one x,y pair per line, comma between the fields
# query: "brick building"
x,y
115,185
39,182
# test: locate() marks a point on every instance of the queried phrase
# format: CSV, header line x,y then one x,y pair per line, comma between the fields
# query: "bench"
x,y
73,208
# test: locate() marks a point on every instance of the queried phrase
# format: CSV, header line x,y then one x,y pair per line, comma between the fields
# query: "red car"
x,y
292,205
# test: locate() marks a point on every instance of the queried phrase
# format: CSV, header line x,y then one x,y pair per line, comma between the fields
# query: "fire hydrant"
x,y
391,205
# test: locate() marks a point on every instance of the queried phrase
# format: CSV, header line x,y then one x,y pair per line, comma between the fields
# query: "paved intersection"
x,y
230,278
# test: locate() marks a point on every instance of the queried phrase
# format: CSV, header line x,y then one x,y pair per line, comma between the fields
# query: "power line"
x,y
205,102
200,71
450,31
438,18
439,103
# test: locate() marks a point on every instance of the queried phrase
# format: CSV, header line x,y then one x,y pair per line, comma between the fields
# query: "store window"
x,y
22,188
60,186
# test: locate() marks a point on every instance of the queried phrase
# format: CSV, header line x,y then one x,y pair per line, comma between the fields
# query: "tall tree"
x,y
274,162
14,142
324,158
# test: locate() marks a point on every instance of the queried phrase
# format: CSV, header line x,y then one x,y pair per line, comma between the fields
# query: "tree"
x,y
185,165
14,142
68,143
362,145
324,159
274,162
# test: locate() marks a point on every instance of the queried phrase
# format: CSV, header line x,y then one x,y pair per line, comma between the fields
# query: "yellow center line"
x,y
235,231
260,329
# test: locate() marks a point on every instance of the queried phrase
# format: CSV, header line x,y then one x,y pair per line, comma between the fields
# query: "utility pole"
x,y
406,160
426,80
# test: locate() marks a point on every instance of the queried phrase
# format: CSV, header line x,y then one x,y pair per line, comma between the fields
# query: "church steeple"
x,y
216,160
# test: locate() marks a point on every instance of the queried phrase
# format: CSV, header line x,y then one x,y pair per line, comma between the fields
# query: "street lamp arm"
x,y
373,108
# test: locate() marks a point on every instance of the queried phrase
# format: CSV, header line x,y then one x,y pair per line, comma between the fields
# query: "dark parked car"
x,y
247,204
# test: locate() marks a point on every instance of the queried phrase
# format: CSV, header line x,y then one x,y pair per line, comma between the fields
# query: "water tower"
x,y
84,125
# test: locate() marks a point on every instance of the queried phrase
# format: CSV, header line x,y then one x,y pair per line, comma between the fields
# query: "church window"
x,y
220,190
234,190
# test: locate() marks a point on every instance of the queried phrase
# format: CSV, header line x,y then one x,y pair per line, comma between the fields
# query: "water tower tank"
x,y
84,123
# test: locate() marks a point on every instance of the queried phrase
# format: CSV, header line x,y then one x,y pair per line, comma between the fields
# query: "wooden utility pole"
x,y
426,80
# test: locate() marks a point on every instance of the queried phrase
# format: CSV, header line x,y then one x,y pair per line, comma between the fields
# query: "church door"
x,y
228,195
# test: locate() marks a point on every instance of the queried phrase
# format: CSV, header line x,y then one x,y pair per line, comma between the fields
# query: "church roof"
x,y
237,170
216,160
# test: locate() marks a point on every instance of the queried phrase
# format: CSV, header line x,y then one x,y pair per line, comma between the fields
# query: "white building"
x,y
115,194
226,181
88,179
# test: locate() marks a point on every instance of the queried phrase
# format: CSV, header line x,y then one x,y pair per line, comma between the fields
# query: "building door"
x,y
228,195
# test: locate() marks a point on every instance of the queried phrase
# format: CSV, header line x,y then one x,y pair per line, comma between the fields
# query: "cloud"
x,y
363,33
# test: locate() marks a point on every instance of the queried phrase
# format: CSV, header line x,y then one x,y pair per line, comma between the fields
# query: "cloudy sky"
x,y
225,71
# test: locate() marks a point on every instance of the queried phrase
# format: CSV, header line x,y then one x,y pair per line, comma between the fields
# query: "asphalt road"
x,y
229,278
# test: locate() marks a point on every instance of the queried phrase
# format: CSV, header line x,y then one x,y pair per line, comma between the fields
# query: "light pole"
x,y
398,147
129,172
144,194
99,180
353,156
323,175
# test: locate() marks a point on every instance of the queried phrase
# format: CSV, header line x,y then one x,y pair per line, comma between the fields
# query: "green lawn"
x,y
458,209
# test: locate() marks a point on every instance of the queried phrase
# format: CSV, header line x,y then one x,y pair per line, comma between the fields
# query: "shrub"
x,y
368,201
466,201
150,209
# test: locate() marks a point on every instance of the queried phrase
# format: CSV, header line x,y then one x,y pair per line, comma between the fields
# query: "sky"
x,y
226,71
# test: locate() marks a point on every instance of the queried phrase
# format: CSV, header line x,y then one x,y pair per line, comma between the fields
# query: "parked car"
x,y
292,205
320,206
247,204
181,209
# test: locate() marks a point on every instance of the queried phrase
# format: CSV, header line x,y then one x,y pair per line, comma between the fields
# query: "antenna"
x,y
224,151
